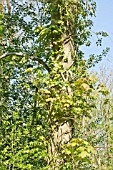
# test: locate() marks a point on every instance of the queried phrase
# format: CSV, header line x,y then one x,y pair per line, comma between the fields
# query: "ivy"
x,y
47,95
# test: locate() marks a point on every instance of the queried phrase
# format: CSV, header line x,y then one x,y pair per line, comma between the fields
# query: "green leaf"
x,y
104,34
84,154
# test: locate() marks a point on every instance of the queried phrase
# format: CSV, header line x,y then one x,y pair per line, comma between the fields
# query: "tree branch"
x,y
31,57
10,54
41,62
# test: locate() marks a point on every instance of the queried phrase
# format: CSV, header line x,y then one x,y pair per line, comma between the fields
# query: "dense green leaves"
x,y
47,88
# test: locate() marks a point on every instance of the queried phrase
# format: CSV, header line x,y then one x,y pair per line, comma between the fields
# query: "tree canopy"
x,y
54,113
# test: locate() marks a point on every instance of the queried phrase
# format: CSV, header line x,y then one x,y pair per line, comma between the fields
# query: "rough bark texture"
x,y
63,130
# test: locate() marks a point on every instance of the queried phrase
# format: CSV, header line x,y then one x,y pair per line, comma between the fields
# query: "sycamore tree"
x,y
46,90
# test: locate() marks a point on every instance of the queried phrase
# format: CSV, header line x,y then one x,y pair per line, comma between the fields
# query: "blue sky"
x,y
103,22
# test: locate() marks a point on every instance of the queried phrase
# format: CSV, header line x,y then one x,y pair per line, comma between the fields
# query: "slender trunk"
x,y
107,124
2,6
8,6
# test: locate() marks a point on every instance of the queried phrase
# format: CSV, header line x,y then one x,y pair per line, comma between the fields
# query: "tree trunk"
x,y
63,131
8,6
2,6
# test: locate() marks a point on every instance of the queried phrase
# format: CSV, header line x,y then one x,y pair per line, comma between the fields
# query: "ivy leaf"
x,y
84,154
104,34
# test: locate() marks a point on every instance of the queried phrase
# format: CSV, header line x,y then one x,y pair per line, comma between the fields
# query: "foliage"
x,y
40,91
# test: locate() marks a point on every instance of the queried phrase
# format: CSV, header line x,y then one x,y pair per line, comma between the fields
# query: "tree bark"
x,y
8,6
63,131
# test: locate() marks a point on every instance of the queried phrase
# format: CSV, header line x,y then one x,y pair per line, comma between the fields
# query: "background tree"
x,y
104,117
